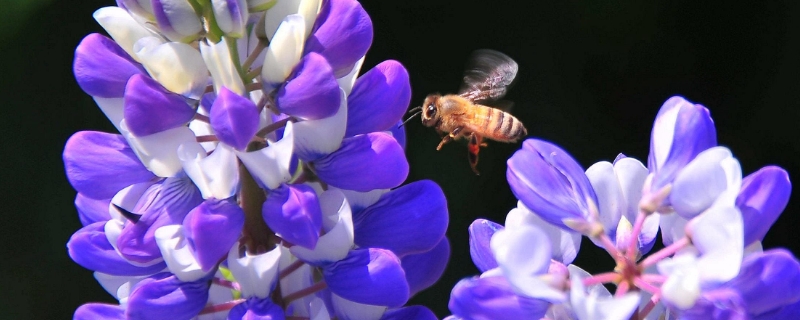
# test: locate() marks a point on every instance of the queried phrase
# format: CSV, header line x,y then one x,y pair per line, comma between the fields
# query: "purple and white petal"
x,y
92,210
231,16
342,33
379,99
150,108
255,308
680,132
768,281
492,298
611,201
719,236
347,81
713,177
90,248
369,276
593,307
551,183
346,309
424,269
361,200
118,286
284,51
293,213
682,287
564,244
177,19
217,58
100,164
409,219
122,27
270,166
102,67
311,91
216,175
480,235
338,227
411,312
212,228
159,151
92,311
163,296
141,8
522,266
763,197
305,276
256,273
317,138
365,162
234,119
178,254
113,108
179,67
673,227
307,9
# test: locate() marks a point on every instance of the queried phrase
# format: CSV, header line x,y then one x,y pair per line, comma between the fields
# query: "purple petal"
x,y
550,182
150,108
763,197
343,33
492,298
368,276
100,164
164,203
768,281
234,119
412,312
256,309
89,247
480,235
409,219
102,67
424,269
365,162
163,296
399,133
791,311
93,311
692,133
311,91
212,228
379,99
92,210
721,304
207,101
293,212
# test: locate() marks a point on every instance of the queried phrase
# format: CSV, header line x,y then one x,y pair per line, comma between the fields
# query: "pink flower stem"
x,y
227,284
601,278
304,292
634,238
664,253
221,307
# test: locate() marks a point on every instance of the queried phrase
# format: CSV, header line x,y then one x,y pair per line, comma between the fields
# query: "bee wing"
x,y
488,76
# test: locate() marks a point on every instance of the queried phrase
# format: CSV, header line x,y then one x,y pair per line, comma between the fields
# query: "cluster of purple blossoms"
x,y
255,176
711,221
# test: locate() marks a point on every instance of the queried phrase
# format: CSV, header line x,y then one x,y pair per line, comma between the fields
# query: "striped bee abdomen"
x,y
502,126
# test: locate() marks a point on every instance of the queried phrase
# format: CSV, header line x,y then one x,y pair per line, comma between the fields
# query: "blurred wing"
x,y
488,76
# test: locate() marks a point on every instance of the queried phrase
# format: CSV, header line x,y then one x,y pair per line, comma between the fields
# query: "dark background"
x,y
592,77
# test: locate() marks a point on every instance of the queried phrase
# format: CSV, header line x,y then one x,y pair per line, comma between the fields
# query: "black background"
x,y
592,77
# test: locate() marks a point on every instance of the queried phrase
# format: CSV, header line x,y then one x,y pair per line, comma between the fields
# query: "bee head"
x,y
430,110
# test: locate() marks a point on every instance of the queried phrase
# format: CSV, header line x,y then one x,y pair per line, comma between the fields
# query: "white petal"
x,y
318,138
218,59
631,175
698,185
663,132
112,108
673,227
270,166
719,236
682,287
309,10
591,306
216,175
275,15
284,51
226,22
177,66
360,200
117,286
295,281
349,310
217,294
564,244
121,26
318,310
256,274
178,254
609,195
347,82
337,242
159,151
127,199
182,19
523,266
202,128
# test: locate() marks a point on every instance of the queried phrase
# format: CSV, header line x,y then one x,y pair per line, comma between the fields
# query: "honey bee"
x,y
474,112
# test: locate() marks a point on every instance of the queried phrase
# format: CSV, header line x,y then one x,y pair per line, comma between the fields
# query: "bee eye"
x,y
430,111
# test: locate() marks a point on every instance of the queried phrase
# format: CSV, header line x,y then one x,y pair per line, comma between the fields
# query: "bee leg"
x,y
449,137
474,147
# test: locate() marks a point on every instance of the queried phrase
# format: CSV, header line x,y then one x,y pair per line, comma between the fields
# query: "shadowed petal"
x,y
177,19
102,68
424,269
369,276
163,296
293,212
365,162
379,99
317,138
178,67
284,51
763,197
522,266
768,281
89,247
256,274
100,164
231,16
234,119
492,298
92,311
255,308
212,228
342,34
149,108
311,91
92,210
480,235
412,312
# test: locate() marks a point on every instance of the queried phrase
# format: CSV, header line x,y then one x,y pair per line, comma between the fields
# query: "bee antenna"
x,y
414,109
411,117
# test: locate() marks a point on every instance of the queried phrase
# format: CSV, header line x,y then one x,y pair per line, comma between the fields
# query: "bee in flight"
x,y
474,113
